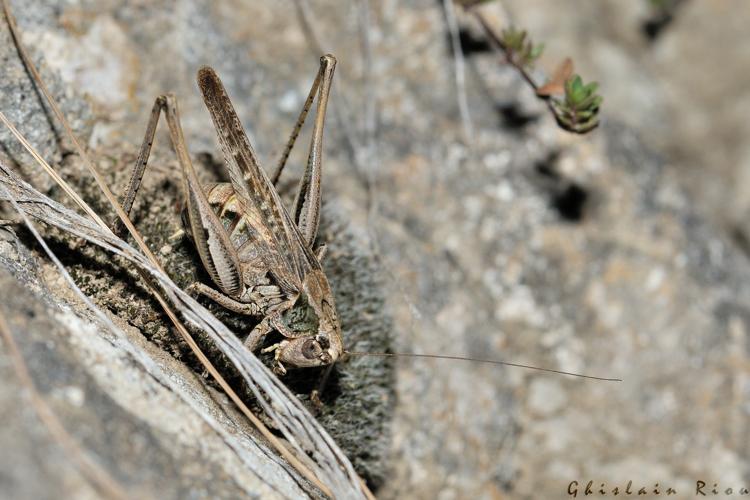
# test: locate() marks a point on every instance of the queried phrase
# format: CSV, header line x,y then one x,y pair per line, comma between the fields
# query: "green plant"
x,y
574,105
519,47
578,110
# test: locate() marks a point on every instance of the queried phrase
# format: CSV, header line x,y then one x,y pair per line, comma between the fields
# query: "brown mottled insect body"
x,y
259,259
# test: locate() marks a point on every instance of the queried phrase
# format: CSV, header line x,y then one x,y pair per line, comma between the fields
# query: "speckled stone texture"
x,y
155,439
528,244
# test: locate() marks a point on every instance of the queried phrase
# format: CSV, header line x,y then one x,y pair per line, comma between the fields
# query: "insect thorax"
x,y
301,317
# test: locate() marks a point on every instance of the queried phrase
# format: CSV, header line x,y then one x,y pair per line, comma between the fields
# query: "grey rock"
x,y
686,91
127,420
19,99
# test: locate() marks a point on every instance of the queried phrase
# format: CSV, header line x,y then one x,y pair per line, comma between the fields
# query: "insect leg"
x,y
297,127
216,251
253,341
250,309
277,349
320,252
270,306
307,203
140,167
315,394
218,255
270,322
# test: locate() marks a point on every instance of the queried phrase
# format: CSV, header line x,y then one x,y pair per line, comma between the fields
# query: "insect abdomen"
x,y
223,200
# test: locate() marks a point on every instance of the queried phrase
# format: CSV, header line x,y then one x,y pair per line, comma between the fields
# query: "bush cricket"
x,y
258,256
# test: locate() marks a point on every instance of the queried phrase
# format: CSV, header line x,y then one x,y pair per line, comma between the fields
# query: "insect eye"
x,y
311,349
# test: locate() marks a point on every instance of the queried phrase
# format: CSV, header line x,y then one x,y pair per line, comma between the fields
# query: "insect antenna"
x,y
477,360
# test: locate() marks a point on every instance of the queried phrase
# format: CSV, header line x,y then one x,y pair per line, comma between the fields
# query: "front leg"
x,y
255,339
270,322
278,368
266,299
322,382
247,308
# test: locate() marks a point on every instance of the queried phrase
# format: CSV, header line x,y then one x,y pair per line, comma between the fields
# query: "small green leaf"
x,y
576,98
591,102
591,88
577,83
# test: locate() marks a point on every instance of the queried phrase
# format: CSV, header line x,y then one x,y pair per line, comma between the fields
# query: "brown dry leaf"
x,y
556,86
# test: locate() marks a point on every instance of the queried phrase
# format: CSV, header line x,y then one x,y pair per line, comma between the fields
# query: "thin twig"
x,y
497,43
51,171
345,123
361,157
369,101
369,128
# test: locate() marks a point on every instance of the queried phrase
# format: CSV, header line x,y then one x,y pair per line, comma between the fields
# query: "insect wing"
x,y
274,234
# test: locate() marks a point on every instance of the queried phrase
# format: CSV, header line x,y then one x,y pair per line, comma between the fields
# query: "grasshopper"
x,y
259,258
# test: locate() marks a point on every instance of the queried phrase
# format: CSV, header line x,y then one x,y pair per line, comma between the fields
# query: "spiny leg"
x,y
306,212
249,309
307,200
218,255
139,169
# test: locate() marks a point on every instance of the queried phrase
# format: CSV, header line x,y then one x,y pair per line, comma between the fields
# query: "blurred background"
x,y
493,234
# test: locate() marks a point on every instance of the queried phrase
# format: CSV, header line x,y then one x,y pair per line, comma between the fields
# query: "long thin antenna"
x,y
477,360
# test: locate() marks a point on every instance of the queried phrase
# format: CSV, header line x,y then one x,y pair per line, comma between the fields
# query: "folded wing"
x,y
275,237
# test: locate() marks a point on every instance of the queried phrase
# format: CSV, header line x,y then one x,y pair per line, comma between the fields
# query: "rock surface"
x,y
687,90
157,436
528,245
